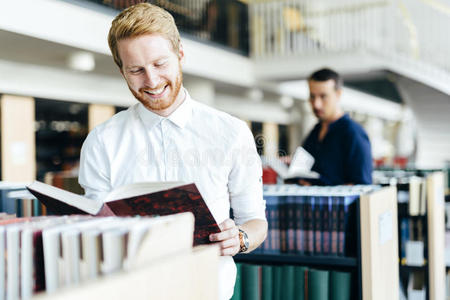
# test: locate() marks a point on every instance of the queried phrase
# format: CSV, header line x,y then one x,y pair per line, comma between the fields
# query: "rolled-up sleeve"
x,y
245,179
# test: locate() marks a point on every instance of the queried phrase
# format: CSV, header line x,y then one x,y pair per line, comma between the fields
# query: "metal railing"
x,y
224,22
412,31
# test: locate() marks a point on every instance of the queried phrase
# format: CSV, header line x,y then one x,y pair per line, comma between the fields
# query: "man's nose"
x,y
316,103
151,79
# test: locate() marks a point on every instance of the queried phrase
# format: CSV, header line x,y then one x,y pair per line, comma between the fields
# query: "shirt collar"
x,y
183,113
179,117
333,124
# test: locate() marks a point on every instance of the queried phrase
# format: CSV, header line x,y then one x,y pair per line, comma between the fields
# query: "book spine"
x,y
250,290
38,262
277,237
309,225
404,236
318,285
334,225
237,294
318,224
299,286
340,285
326,229
287,279
341,228
291,224
283,224
267,283
277,282
299,229
347,226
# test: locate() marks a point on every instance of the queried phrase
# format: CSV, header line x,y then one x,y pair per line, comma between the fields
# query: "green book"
x,y
287,282
277,277
318,284
299,282
237,294
340,285
267,283
37,210
250,282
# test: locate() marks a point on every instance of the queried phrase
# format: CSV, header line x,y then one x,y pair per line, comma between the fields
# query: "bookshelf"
x,y
17,138
61,128
186,275
424,276
374,266
436,235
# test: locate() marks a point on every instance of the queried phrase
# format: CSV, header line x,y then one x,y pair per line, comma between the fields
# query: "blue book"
x,y
347,225
404,236
309,208
271,244
320,205
334,225
326,224
299,227
290,214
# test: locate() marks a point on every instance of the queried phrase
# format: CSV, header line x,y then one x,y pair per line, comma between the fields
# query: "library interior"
x,y
320,168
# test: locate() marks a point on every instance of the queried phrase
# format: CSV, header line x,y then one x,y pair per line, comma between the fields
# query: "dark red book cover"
x,y
38,260
185,198
176,200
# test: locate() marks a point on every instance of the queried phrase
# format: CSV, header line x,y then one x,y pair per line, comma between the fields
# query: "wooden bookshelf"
x,y
436,235
292,259
375,264
18,149
187,275
99,113
379,245
433,236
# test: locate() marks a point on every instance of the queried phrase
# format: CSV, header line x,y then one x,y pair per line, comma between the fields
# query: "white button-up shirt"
x,y
196,143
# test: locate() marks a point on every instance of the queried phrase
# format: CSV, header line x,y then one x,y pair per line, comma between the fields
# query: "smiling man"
x,y
168,136
339,145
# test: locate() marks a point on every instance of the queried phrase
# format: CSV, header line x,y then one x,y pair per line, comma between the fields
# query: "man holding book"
x,y
340,146
168,136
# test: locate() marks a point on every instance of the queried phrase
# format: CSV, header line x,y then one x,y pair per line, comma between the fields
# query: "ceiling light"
x,y
81,61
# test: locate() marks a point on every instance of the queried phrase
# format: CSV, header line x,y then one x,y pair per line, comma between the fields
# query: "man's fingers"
x,y
227,224
229,251
233,242
224,235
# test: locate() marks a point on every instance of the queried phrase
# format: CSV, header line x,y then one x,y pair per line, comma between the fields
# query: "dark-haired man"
x,y
339,145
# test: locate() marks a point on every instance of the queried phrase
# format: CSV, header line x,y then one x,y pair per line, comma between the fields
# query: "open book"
x,y
300,166
149,198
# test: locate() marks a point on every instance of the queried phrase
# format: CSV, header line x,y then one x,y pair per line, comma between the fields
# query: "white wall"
x,y
432,110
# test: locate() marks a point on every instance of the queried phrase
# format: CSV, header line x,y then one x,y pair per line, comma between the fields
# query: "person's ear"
x,y
181,54
339,93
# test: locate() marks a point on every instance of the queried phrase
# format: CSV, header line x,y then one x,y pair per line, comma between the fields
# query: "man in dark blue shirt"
x,y
339,145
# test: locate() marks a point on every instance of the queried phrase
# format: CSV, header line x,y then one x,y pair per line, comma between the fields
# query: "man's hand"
x,y
304,182
228,239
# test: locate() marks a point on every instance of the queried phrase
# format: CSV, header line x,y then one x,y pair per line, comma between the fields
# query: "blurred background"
x,y
248,58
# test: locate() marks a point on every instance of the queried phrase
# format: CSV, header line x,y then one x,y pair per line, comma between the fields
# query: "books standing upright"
x,y
152,198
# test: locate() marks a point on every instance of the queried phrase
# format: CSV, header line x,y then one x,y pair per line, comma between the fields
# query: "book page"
x,y
54,195
301,165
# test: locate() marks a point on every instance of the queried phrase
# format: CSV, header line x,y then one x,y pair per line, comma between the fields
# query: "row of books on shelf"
x,y
288,282
311,220
50,252
413,194
15,198
66,180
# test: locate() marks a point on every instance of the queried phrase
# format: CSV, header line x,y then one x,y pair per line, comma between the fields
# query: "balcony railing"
x,y
224,22
402,30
